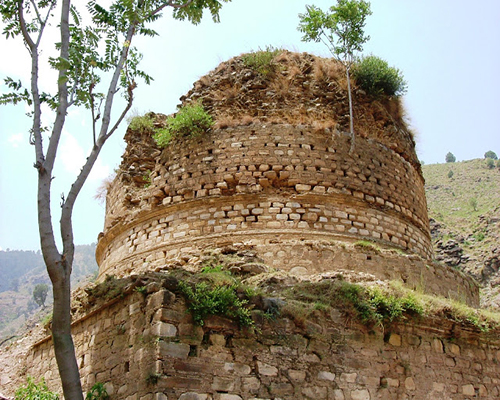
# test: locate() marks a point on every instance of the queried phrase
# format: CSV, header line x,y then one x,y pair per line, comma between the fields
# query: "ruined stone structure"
x,y
276,176
274,186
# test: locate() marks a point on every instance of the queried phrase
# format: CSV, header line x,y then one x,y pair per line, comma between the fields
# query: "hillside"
x,y
464,207
20,271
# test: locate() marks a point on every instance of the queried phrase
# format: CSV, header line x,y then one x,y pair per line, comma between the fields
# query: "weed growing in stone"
x,y
262,61
371,306
204,300
190,120
141,124
367,245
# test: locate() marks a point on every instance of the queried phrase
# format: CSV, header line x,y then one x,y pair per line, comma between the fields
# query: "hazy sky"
x,y
448,50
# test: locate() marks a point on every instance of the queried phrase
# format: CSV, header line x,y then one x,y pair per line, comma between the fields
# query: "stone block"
x,y
164,329
297,375
360,394
227,396
266,369
237,368
410,383
468,390
395,339
315,392
193,396
348,377
326,376
250,384
222,384
175,350
281,389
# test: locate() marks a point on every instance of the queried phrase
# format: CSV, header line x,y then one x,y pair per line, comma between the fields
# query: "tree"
x,y
490,154
450,157
40,294
341,30
88,55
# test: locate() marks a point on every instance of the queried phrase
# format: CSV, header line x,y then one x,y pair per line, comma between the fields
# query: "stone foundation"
x,y
145,347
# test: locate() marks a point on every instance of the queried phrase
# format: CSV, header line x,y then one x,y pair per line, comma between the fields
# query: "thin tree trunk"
x,y
351,117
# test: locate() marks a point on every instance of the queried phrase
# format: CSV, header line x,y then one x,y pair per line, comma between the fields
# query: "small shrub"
x,y
490,163
190,120
473,203
141,124
261,61
204,300
450,174
450,158
34,391
374,76
490,154
97,392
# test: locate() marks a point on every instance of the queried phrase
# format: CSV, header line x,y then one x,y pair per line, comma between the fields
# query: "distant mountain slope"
x,y
20,271
464,207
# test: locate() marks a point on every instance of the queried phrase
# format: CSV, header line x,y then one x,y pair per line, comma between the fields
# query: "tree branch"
x,y
170,3
125,111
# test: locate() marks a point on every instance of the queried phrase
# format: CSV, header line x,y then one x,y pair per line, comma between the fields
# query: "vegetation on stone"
x,y
190,120
262,61
376,77
204,301
141,124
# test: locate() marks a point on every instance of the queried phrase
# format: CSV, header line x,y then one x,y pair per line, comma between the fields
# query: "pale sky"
x,y
448,51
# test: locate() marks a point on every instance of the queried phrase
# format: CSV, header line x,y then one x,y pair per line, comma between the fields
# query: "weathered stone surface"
x,y
266,369
175,350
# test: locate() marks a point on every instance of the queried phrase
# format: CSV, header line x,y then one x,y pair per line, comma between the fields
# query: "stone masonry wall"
x,y
255,179
145,347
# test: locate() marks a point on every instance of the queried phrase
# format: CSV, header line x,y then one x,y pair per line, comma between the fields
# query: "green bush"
x,y
261,61
450,174
490,154
205,300
33,391
490,163
374,76
450,157
190,120
97,392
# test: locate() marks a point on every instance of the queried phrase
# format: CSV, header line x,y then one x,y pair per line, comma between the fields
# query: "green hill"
x,y
20,271
464,207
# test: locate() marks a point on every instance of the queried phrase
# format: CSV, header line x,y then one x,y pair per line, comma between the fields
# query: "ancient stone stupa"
x,y
277,174
277,190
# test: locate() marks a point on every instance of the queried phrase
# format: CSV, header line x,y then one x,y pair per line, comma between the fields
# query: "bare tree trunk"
x,y
61,335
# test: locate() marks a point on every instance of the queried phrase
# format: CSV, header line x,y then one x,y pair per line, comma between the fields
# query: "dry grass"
x,y
104,188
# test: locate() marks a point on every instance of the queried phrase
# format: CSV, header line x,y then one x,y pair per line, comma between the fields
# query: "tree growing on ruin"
x,y
341,29
95,61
